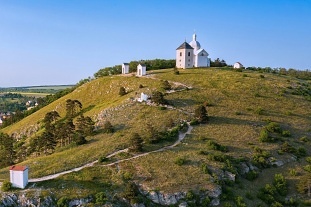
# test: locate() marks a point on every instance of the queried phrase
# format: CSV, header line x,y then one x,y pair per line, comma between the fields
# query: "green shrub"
x,y
140,86
108,128
274,127
264,136
100,198
102,159
6,186
251,175
180,161
205,169
239,201
286,133
62,202
280,184
259,111
194,122
190,195
122,91
307,168
304,139
261,76
301,152
215,146
293,172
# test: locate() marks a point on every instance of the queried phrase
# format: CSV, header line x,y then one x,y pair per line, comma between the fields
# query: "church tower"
x,y
184,56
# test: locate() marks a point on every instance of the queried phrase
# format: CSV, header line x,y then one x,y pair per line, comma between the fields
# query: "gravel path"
x,y
181,136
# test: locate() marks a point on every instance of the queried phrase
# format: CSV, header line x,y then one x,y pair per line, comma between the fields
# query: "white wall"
x,y
141,70
183,60
125,69
19,179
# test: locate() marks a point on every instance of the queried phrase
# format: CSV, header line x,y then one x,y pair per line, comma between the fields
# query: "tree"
x,y
7,152
85,125
136,143
108,128
122,91
200,114
72,107
49,119
166,85
158,97
152,134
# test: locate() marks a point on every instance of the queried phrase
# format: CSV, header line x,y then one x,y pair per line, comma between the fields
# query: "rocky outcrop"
x,y
166,198
22,200
26,132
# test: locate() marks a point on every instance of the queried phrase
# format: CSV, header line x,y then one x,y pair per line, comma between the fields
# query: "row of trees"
x,y
301,74
150,64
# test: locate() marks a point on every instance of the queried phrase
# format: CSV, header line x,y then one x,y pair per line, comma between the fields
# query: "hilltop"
x,y
258,127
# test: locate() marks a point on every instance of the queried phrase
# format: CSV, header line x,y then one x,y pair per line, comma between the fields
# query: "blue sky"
x,y
44,42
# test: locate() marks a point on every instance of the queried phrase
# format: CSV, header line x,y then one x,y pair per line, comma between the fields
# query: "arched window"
x,y
180,54
188,53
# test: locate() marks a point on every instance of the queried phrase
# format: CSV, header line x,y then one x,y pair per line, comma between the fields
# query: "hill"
x,y
258,127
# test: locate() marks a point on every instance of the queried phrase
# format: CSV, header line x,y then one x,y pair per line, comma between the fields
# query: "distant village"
x,y
4,115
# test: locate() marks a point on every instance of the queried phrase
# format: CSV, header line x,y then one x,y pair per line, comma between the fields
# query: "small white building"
x,y
141,70
143,97
19,176
125,68
1,122
237,65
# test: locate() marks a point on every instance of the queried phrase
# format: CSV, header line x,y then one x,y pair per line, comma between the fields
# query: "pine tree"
x,y
200,114
136,143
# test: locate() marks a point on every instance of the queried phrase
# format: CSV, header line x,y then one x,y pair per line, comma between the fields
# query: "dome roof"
x,y
194,43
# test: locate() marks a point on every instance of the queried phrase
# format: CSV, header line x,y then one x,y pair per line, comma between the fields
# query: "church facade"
x,y
189,55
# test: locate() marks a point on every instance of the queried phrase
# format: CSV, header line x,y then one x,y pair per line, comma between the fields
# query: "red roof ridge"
x,y
18,168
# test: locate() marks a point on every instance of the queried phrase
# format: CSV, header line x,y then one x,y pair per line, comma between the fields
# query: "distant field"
x,y
56,87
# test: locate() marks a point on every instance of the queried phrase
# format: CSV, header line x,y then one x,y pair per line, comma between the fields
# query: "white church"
x,y
191,55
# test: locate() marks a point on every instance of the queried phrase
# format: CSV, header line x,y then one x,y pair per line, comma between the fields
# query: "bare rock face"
x,y
165,199
21,200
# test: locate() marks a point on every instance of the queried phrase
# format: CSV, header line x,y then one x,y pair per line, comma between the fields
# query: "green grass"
x,y
257,101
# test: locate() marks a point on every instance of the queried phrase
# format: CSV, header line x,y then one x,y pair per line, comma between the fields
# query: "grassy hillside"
x,y
239,104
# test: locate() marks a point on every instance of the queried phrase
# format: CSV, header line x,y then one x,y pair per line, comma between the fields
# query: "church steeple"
x,y
194,37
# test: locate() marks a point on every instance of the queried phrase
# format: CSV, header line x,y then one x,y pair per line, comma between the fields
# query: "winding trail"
x,y
181,136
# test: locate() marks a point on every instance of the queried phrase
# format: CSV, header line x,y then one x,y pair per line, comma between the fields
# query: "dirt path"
x,y
181,136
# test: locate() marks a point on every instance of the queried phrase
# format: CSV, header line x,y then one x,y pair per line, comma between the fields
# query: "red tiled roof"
x,y
18,168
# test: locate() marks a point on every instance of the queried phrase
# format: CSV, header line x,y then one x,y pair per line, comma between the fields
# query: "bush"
x,y
194,122
180,161
200,114
108,128
166,85
304,139
286,133
62,202
100,198
293,172
176,71
122,91
140,86
274,127
102,159
280,184
259,111
215,146
6,186
251,175
264,136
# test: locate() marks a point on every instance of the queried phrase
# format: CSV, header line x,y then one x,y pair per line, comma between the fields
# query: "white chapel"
x,y
189,55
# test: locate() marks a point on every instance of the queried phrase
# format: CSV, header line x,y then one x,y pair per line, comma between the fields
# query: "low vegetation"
x,y
234,133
